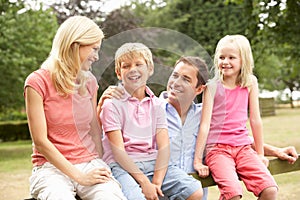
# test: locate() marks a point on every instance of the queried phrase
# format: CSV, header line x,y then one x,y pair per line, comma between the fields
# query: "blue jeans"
x,y
177,184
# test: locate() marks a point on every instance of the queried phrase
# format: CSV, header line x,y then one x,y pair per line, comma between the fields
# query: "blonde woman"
x,y
223,131
60,102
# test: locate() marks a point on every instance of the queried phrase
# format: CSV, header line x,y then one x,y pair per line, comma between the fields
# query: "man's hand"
x,y
287,153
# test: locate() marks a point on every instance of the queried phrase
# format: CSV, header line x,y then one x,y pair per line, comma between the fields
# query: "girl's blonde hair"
x,y
64,59
242,44
129,51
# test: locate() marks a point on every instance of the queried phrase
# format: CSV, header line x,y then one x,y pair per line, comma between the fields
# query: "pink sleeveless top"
x,y
229,117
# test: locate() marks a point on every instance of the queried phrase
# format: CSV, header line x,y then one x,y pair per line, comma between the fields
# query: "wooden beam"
x,y
276,166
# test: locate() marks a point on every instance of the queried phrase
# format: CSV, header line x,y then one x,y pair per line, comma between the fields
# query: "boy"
x,y
136,141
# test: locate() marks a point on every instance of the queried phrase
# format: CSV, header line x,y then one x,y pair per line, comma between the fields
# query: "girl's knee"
x,y
269,193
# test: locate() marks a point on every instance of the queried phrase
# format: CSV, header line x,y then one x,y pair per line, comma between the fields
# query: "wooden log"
x,y
276,166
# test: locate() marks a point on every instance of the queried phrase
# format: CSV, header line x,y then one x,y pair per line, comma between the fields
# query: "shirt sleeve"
x,y
161,116
110,117
36,81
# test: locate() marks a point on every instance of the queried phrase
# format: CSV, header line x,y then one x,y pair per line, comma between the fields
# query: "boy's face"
x,y
134,73
182,83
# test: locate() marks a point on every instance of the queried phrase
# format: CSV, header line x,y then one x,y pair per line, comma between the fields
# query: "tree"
x,y
90,9
280,33
203,20
25,42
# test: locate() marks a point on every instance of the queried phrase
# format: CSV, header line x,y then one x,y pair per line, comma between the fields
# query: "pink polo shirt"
x,y
68,118
138,122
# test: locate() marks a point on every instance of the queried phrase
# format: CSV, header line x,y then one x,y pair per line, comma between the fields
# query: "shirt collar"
x,y
127,96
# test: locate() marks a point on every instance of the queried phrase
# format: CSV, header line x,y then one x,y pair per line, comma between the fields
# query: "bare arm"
x,y
38,130
96,130
121,156
288,153
255,120
162,161
203,170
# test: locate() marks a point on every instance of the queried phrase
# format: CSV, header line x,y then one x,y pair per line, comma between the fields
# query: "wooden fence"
x,y
267,106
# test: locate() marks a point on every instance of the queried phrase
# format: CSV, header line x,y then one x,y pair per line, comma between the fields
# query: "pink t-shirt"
x,y
138,121
68,118
229,117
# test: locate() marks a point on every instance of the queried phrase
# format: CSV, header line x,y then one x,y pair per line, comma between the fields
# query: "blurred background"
x,y
272,26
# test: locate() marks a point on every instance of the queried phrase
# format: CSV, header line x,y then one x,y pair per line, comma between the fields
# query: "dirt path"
x,y
14,186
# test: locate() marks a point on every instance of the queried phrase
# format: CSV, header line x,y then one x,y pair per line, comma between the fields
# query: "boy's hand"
x,y
150,191
202,170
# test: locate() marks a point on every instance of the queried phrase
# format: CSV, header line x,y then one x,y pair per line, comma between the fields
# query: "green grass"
x,y
15,156
280,130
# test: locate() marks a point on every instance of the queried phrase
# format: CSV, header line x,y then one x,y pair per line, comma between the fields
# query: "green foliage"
x,y
14,130
204,21
25,42
278,64
12,114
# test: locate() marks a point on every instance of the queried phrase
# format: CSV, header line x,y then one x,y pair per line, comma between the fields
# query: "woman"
x,y
60,102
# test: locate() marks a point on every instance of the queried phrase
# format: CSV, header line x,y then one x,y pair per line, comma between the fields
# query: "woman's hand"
x,y
95,176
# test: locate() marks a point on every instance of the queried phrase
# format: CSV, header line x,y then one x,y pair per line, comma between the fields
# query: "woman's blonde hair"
x,y
242,44
64,59
129,51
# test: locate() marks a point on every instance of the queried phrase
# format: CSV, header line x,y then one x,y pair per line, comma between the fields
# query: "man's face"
x,y
182,83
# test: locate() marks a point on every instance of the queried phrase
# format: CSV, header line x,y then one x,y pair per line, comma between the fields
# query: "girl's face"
x,y
134,74
88,55
229,61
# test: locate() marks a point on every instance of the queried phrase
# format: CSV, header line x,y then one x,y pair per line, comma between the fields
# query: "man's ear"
x,y
200,89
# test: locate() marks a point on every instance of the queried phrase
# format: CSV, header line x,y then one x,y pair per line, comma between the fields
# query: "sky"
x,y
108,6
113,4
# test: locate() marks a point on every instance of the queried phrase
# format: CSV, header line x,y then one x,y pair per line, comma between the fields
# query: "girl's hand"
x,y
264,160
95,176
202,170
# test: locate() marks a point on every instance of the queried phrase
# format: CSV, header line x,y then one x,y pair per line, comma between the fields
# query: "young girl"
x,y
226,101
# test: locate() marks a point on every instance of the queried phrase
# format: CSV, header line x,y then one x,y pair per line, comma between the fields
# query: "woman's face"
x,y
88,55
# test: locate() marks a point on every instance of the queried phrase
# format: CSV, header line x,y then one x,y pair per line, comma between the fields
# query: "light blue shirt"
x,y
183,136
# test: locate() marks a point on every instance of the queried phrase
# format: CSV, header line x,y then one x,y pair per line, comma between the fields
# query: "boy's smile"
x,y
134,74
